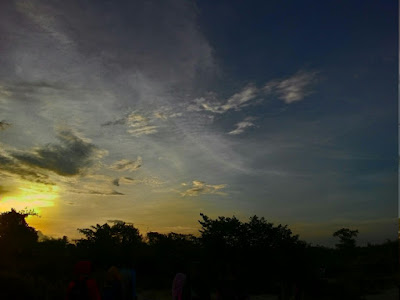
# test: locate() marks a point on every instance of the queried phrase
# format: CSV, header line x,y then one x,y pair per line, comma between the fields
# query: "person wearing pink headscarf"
x,y
177,286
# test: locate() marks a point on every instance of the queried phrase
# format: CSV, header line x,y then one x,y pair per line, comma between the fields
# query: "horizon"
x,y
151,113
326,241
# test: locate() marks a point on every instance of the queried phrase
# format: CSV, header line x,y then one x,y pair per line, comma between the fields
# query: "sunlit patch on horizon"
x,y
35,196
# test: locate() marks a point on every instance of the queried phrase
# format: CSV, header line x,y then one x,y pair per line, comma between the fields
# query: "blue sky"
x,y
154,112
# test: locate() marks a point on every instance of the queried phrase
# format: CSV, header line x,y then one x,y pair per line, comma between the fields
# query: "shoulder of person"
x,y
91,282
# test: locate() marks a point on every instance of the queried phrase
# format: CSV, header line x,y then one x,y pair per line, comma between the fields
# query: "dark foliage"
x,y
263,257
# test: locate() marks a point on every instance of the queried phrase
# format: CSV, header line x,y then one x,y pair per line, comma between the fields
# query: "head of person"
x,y
82,269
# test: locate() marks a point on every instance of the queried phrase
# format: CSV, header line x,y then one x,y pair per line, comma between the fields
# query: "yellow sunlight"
x,y
32,196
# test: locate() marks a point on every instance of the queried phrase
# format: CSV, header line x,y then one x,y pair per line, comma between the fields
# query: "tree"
x,y
15,233
111,242
252,247
223,233
256,233
347,238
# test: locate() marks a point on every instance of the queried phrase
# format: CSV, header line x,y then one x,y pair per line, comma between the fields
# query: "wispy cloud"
x,y
140,125
167,114
241,126
127,165
33,90
128,180
91,184
200,187
44,18
235,102
241,99
89,191
136,123
292,89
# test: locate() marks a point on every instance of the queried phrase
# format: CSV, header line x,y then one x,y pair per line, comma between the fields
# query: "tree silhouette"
x,y
109,243
253,247
16,236
347,238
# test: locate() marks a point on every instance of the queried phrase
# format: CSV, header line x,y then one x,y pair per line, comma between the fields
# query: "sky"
x,y
153,112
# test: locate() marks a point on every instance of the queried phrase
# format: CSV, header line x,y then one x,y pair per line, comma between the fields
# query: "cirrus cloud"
x,y
127,165
294,88
200,187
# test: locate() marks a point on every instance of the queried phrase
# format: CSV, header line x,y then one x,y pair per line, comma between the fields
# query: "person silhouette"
x,y
128,278
83,287
179,282
113,285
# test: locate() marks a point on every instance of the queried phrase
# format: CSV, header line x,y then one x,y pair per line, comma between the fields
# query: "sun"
x,y
31,196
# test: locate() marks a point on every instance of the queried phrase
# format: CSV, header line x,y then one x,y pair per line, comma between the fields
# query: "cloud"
x,y
241,126
235,102
200,187
97,192
160,115
168,44
115,182
43,17
30,90
125,180
137,124
240,99
3,190
166,114
72,157
116,122
12,168
127,165
153,181
292,89
91,184
4,125
144,130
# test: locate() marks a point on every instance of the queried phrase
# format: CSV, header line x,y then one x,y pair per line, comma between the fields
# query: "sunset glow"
x,y
33,197
153,112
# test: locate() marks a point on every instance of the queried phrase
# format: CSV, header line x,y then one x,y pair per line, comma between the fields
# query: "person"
x,y
229,286
113,285
178,285
128,278
83,287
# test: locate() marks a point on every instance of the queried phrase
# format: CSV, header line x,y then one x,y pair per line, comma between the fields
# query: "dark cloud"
x,y
4,125
117,122
11,167
69,158
30,90
111,193
125,180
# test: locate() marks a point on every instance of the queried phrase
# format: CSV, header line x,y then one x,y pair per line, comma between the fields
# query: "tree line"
x,y
267,258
